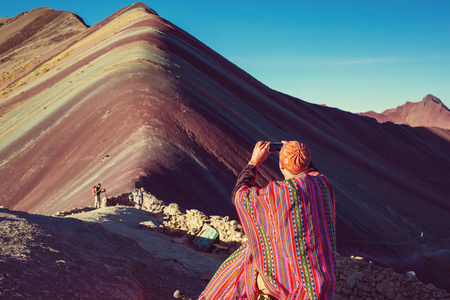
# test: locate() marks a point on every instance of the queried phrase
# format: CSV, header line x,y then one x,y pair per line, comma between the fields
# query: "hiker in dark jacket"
x,y
97,191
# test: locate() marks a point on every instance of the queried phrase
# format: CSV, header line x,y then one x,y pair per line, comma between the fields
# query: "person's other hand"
x,y
260,153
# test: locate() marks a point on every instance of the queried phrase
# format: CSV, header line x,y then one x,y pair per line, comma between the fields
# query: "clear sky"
x,y
355,55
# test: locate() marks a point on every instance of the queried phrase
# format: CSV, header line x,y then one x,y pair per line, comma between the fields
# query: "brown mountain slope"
x,y
44,24
136,98
26,42
430,112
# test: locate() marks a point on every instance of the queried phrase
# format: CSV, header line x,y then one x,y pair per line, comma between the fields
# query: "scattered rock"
x,y
150,225
356,278
173,209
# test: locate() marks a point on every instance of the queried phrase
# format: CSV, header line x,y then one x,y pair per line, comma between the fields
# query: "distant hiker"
x,y
131,197
97,190
290,226
140,196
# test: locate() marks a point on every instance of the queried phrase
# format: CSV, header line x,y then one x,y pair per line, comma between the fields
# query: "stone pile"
x,y
230,232
358,279
186,224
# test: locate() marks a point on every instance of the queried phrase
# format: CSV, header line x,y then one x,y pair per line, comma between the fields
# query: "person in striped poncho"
x,y
290,226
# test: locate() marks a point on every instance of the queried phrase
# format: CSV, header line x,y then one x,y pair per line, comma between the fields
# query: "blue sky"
x,y
353,55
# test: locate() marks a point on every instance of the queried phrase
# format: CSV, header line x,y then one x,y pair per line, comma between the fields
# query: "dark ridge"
x,y
81,20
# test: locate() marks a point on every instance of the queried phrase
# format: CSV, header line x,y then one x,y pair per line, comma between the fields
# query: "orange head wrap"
x,y
295,157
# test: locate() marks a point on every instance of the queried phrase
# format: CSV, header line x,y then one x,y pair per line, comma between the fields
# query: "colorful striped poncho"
x,y
290,226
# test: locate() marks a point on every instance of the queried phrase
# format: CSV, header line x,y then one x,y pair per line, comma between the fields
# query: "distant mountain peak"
x,y
430,112
142,5
429,99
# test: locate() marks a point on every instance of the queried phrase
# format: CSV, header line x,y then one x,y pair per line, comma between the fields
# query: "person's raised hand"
x,y
260,153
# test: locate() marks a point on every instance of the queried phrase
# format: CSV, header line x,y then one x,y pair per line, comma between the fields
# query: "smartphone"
x,y
275,147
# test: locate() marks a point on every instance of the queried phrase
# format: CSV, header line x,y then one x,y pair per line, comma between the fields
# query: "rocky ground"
x,y
124,252
54,258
